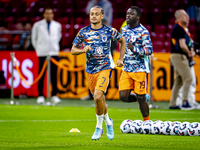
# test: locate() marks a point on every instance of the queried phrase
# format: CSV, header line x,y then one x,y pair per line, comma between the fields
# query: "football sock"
x,y
99,121
106,119
146,118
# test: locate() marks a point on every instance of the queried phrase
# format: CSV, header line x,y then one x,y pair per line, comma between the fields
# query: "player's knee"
x,y
123,97
97,97
141,98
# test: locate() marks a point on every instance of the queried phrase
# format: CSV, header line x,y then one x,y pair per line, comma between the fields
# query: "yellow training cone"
x,y
74,130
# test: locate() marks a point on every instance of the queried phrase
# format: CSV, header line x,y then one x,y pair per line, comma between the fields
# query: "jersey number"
x,y
142,85
102,82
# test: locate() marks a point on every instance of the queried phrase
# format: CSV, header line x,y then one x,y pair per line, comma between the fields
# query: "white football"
x,y
183,128
156,127
165,127
147,127
125,126
136,126
174,127
194,129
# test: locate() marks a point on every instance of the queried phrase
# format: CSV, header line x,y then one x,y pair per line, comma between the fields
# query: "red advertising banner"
x,y
28,65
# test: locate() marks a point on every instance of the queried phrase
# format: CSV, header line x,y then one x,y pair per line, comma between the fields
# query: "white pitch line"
x,y
88,120
47,120
177,119
162,111
174,112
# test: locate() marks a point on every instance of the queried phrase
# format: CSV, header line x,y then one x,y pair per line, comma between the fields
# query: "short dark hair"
x,y
102,11
48,8
137,9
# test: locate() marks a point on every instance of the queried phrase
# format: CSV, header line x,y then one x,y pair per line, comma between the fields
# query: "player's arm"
x,y
77,51
146,47
122,51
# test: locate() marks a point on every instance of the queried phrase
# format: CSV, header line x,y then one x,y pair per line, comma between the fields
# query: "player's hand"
x,y
120,63
130,45
87,49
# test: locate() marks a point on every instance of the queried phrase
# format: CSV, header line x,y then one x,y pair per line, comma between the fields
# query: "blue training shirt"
x,y
99,57
137,60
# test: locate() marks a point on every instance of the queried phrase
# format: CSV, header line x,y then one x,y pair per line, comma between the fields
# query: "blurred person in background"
x,y
26,37
46,35
4,38
133,79
192,10
192,89
17,38
107,7
181,51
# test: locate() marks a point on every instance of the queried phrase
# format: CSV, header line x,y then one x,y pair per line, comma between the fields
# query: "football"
x,y
183,128
194,129
136,126
165,127
156,127
174,128
125,126
147,127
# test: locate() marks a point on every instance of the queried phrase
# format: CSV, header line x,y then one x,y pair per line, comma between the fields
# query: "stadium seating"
x,y
64,20
169,28
118,22
158,46
157,36
157,16
67,40
160,29
167,37
148,27
167,46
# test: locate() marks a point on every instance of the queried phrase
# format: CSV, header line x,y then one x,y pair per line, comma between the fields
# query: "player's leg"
x,y
100,89
127,96
144,107
140,90
105,116
92,80
99,107
109,123
40,98
126,84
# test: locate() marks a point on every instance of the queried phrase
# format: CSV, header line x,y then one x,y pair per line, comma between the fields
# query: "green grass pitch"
x,y
29,126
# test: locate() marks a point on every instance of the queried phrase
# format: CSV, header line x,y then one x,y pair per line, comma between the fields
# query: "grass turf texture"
x,y
31,126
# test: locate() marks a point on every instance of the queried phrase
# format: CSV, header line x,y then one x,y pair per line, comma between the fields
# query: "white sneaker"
x,y
55,99
196,105
40,100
